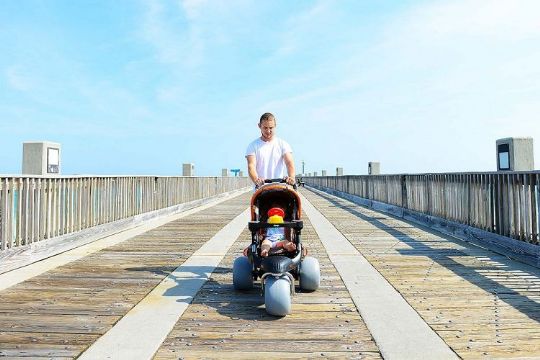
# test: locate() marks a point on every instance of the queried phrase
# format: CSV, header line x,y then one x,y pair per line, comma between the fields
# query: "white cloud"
x,y
438,80
18,79
183,32
509,20
175,94
462,30
193,8
173,32
439,83
302,30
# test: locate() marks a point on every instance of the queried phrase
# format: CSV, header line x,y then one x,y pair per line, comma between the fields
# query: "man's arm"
x,y
289,163
252,170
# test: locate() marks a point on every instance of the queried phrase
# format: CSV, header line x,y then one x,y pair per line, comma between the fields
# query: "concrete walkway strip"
x,y
396,327
21,274
139,334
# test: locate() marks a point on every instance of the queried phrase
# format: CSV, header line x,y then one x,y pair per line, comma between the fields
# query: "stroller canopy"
x,y
275,195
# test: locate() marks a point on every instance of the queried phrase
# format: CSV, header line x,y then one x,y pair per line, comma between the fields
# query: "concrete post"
x,y
41,158
241,173
374,168
224,172
188,169
515,154
314,173
339,171
323,173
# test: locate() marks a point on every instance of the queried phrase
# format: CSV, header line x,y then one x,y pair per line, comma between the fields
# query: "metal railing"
x,y
505,203
37,208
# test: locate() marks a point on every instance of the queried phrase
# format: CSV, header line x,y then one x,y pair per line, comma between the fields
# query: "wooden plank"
x,y
224,323
480,303
90,295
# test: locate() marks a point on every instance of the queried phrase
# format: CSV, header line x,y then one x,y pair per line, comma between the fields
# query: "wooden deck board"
x,y
222,323
61,312
480,303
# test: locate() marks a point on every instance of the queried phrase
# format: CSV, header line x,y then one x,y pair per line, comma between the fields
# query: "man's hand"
x,y
290,180
259,181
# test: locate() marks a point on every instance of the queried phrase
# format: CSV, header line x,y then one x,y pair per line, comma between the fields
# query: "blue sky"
x,y
140,87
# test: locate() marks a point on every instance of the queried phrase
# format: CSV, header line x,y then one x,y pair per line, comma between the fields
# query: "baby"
x,y
275,236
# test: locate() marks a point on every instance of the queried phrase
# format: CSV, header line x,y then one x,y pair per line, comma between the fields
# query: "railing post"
x,y
428,184
468,201
404,202
534,208
3,213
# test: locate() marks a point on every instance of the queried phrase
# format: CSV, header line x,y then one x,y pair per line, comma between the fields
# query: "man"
x,y
269,157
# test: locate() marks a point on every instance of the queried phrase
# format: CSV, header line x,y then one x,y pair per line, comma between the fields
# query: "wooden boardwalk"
x,y
481,304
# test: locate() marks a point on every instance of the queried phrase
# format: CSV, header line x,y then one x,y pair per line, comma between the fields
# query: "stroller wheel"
x,y
309,274
277,295
242,277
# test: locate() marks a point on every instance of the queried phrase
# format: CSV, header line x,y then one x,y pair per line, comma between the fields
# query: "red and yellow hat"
x,y
276,211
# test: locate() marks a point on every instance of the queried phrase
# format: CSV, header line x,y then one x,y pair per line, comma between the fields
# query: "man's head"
x,y
267,124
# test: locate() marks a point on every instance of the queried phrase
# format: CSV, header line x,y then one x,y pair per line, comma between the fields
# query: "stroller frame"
x,y
281,262
279,270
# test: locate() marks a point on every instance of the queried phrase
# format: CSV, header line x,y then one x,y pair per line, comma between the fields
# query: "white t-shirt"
x,y
269,157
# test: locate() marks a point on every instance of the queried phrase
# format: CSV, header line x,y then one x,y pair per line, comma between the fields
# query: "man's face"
x,y
268,128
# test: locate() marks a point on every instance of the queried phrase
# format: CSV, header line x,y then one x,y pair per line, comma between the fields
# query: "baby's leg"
x,y
289,246
265,247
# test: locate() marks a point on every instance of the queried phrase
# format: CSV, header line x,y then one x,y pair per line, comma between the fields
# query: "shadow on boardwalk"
x,y
221,296
443,257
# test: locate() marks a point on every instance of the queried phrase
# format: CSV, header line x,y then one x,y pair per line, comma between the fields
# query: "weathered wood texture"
x,y
37,208
481,304
222,323
62,312
505,203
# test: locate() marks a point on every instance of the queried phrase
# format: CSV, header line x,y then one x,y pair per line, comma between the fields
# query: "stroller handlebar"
x,y
278,181
269,181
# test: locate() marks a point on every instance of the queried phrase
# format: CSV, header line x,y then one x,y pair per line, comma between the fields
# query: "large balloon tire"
x,y
242,276
309,274
277,296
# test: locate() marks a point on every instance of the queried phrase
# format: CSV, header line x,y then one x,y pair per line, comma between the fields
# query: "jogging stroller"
x,y
280,268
